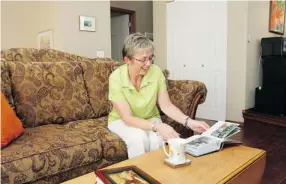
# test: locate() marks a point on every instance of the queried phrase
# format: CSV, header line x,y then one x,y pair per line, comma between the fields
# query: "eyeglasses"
x,y
146,59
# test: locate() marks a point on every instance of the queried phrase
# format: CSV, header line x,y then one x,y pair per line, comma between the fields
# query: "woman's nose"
x,y
149,62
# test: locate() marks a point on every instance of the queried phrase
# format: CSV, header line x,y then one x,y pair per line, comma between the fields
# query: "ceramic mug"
x,y
176,153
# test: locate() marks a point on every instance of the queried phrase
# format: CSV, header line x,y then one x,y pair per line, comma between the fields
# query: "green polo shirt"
x,y
142,103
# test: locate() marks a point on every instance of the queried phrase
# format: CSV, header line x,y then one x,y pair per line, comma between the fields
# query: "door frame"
x,y
132,17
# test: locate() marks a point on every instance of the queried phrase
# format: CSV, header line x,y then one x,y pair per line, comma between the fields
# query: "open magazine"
x,y
213,139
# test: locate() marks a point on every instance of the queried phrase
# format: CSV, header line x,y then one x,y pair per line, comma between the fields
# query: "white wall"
x,y
144,13
21,21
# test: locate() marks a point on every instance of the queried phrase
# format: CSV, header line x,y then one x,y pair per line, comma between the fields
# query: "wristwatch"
x,y
154,128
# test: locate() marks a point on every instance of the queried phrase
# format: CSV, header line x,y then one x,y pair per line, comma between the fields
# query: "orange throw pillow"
x,y
11,126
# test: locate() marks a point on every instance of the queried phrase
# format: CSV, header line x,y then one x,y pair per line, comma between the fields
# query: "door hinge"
x,y
129,24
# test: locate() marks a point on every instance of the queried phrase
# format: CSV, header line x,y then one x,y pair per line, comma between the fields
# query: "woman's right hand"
x,y
166,131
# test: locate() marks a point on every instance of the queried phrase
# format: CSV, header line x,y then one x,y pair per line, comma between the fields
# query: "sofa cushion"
x,y
52,55
47,150
6,84
48,92
20,54
76,172
96,73
113,147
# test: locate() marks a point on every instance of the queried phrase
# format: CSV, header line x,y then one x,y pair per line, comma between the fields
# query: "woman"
x,y
134,89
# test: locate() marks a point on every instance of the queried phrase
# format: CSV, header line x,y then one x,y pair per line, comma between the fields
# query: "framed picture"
x,y
87,23
277,17
45,40
128,174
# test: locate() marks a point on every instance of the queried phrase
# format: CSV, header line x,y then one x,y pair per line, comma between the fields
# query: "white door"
x,y
197,50
119,31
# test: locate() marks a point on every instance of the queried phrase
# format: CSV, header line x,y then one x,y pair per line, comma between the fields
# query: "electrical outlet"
x,y
248,37
100,53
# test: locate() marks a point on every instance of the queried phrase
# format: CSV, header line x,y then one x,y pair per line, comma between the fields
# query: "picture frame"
x,y
87,23
277,17
117,175
45,39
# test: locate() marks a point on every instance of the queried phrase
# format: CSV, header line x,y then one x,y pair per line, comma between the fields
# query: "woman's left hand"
x,y
197,126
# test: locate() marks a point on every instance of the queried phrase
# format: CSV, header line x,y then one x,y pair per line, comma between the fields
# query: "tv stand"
x,y
251,114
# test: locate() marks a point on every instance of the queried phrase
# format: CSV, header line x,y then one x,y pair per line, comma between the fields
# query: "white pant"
x,y
138,141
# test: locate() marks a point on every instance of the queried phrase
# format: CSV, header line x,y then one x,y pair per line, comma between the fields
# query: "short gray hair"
x,y
136,42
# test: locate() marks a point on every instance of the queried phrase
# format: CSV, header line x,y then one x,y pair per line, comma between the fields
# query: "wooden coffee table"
x,y
238,164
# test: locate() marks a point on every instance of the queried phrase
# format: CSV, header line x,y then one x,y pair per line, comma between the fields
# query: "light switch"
x,y
100,53
248,38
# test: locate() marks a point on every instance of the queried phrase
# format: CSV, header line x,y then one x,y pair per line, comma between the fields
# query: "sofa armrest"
x,y
187,95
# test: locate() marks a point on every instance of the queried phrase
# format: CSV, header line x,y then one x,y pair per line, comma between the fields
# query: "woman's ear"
x,y
126,59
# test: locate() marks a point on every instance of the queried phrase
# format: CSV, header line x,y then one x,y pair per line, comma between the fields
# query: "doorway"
x,y
122,24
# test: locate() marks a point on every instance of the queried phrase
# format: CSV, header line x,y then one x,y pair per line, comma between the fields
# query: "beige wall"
x,y
21,21
236,59
160,36
81,42
144,13
244,72
258,17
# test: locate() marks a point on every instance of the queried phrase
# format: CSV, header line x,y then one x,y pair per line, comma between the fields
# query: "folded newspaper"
x,y
213,139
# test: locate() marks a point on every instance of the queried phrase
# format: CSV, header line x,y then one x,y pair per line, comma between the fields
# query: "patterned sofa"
x,y
61,99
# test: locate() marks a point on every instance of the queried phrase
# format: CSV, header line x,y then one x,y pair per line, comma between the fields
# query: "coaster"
x,y
188,162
